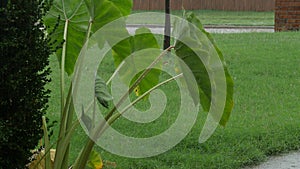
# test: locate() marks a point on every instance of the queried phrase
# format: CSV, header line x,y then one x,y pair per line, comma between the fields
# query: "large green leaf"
x,y
144,39
141,45
124,6
72,14
75,17
199,71
105,11
101,92
198,45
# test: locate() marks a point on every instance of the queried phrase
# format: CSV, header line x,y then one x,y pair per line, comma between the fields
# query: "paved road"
x,y
158,29
285,161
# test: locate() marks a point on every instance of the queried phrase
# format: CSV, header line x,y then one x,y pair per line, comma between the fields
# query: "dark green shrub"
x,y
24,52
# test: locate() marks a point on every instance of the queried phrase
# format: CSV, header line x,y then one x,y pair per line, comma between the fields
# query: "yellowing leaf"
x,y
177,70
137,91
95,161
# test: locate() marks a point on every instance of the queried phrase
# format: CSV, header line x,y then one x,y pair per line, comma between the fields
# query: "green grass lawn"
x,y
265,120
213,17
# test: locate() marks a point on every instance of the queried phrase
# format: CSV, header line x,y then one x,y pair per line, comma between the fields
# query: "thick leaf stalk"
x,y
83,158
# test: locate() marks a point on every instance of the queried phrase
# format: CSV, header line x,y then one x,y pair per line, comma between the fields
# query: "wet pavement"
x,y
285,161
159,29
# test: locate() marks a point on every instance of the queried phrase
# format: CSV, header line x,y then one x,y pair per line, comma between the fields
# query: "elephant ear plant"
x,y
79,21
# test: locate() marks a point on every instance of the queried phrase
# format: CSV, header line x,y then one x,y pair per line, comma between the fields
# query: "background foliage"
x,y
23,70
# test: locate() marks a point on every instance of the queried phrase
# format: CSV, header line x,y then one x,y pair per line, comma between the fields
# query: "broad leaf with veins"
x,y
75,17
199,42
139,46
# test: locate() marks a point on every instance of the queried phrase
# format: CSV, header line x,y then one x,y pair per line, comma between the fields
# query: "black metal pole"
x,y
167,25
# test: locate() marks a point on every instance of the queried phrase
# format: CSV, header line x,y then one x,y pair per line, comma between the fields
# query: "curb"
x,y
205,26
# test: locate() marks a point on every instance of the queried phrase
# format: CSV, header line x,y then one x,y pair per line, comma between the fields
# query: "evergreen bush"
x,y
24,53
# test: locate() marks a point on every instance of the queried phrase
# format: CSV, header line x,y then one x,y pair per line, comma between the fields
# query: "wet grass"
x,y
265,120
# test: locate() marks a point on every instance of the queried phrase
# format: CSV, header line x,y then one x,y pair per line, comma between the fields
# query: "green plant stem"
x,y
70,111
84,154
77,72
62,95
88,34
47,144
59,154
149,91
62,73
117,115
77,75
65,142
69,124
115,73
137,82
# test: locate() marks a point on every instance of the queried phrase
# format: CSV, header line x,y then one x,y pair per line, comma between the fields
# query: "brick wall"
x,y
287,15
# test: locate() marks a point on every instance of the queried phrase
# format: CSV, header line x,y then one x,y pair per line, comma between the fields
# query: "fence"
x,y
231,5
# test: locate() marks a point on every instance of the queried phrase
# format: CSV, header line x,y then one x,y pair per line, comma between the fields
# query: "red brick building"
x,y
287,15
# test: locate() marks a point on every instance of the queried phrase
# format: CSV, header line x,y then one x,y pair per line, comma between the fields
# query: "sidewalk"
x,y
284,161
159,29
